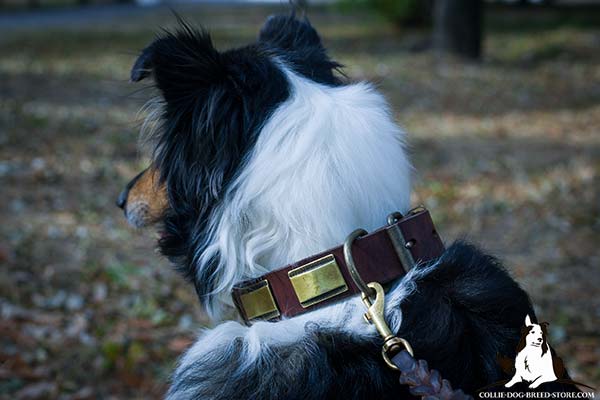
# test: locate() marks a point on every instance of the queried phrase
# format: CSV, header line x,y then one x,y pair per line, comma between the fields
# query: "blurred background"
x,y
501,101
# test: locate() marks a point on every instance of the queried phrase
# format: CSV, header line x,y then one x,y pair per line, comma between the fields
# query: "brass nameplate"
x,y
317,281
258,301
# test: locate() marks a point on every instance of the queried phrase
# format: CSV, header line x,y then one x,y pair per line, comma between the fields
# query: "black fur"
x,y
299,45
544,326
466,312
214,106
461,315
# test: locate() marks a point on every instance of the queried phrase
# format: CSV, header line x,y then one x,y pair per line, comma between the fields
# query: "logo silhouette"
x,y
534,358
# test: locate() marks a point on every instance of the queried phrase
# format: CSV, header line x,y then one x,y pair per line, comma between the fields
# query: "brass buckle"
x,y
373,297
317,281
258,302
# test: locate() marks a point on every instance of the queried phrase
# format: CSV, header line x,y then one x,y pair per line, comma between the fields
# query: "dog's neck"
x,y
329,160
531,349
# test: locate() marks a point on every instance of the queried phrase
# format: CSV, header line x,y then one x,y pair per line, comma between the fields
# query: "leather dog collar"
x,y
380,256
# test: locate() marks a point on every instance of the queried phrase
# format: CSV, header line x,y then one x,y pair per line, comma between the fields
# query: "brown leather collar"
x,y
381,256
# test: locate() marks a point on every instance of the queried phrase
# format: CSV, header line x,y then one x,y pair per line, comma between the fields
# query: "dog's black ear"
x,y
288,33
299,46
183,62
142,66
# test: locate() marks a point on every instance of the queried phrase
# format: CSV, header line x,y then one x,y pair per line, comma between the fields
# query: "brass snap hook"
x,y
373,297
376,315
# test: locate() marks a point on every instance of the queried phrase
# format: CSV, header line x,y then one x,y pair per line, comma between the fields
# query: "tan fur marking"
x,y
147,199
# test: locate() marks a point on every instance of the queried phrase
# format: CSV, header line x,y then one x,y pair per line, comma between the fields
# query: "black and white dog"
x,y
534,359
265,155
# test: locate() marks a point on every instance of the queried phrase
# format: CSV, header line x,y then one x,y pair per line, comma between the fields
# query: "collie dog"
x,y
267,154
534,358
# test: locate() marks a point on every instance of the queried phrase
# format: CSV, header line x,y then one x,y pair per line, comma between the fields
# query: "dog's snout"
x,y
122,199
144,199
539,339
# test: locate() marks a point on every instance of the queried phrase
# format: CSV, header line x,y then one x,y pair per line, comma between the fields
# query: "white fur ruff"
x,y
329,160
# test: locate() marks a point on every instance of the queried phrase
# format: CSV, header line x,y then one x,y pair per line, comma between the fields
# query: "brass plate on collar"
x,y
258,301
317,281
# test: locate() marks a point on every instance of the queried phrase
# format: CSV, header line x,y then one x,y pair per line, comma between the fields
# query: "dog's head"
x,y
533,335
247,157
211,108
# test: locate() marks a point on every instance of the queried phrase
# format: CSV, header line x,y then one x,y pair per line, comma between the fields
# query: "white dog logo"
x,y
534,358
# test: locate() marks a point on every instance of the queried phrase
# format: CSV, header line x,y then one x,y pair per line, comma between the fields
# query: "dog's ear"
x,y
528,320
299,46
544,326
142,66
183,63
288,33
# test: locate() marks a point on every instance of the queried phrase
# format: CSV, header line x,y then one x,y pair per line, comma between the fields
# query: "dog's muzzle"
x,y
122,199
144,199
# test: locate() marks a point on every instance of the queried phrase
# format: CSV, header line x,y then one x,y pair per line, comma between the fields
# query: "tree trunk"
x,y
458,27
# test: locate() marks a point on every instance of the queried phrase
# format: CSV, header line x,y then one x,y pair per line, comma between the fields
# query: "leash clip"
x,y
376,315
373,297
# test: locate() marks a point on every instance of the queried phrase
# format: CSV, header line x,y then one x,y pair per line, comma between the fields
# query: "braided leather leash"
x,y
422,381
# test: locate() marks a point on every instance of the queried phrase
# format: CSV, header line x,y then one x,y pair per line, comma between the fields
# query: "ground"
x,y
506,154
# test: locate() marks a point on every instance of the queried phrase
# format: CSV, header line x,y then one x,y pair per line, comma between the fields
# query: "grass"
x,y
506,153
